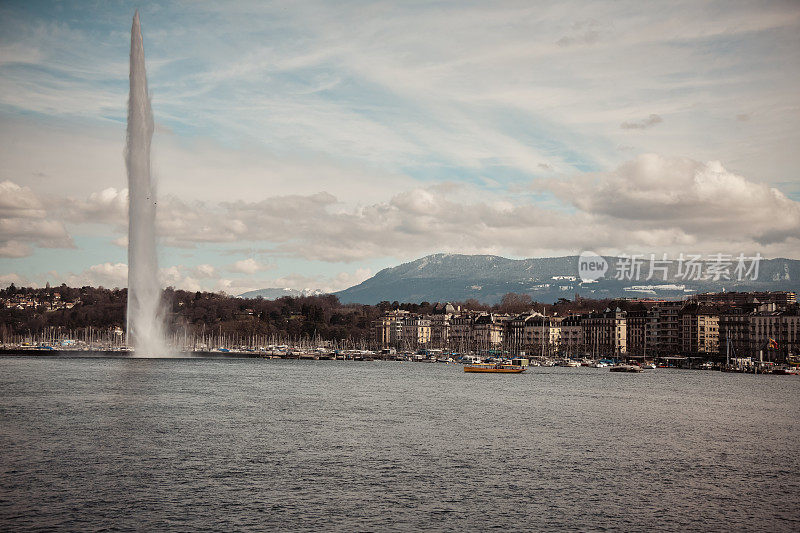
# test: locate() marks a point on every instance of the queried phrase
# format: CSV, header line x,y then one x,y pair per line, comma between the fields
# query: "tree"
x,y
515,303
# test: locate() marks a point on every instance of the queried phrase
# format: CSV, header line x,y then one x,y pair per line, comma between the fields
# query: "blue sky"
x,y
307,144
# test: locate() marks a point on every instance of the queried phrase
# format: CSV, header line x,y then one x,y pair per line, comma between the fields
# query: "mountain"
x,y
486,278
274,294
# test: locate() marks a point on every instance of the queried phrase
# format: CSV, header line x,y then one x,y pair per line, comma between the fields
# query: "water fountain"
x,y
145,312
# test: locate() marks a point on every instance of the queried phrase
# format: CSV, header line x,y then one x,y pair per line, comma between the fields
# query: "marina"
x,y
475,363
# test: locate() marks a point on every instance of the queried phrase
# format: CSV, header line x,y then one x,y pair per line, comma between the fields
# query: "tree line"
x,y
323,317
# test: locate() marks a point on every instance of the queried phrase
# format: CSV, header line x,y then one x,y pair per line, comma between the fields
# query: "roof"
x,y
485,319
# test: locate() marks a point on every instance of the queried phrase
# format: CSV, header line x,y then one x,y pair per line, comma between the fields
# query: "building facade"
x,y
605,334
699,330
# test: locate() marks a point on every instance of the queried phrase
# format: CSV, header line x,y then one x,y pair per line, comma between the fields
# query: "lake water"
x,y
250,444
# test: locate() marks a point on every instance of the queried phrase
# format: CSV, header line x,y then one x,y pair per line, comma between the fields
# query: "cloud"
x,y
248,266
205,271
19,202
14,249
702,201
643,124
109,206
179,277
316,100
112,275
24,223
16,279
337,282
344,280
649,201
108,275
652,203
584,32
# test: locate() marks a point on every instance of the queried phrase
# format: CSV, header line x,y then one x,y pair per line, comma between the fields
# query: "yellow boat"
x,y
494,368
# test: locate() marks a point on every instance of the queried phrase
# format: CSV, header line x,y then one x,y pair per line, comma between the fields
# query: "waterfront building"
x,y
605,334
488,331
461,336
774,335
665,328
734,331
515,334
780,298
388,329
415,332
402,330
571,342
638,328
699,330
789,336
440,330
542,334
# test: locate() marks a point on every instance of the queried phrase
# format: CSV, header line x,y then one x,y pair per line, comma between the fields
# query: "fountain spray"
x,y
145,312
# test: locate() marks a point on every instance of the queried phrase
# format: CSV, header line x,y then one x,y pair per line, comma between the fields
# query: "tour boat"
x,y
499,368
625,368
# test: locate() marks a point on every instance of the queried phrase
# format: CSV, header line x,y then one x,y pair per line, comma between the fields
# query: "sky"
x,y
311,144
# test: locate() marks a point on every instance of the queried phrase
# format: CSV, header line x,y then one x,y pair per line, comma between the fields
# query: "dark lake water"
x,y
250,444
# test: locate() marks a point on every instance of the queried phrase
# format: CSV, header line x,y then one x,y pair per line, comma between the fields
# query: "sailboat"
x,y
727,367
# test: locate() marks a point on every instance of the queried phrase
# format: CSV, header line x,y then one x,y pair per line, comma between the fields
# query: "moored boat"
x,y
492,368
625,368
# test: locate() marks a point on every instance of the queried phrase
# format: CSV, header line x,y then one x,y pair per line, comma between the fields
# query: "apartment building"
x,y
605,334
488,332
542,335
572,342
699,330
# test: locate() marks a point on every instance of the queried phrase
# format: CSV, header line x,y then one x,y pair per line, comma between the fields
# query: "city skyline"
x,y
306,146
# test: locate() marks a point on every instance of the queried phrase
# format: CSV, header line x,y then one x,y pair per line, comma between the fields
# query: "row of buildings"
x,y
26,301
709,325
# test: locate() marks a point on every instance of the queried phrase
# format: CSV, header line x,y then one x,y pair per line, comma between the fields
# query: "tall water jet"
x,y
145,316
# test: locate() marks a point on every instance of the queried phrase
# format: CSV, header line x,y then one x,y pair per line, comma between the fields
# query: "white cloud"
x,y
344,280
24,223
248,266
112,275
643,124
86,164
651,201
334,283
464,86
108,275
16,279
703,201
109,206
19,202
205,271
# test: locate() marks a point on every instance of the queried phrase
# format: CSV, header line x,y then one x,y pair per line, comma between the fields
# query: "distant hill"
x,y
486,278
275,293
